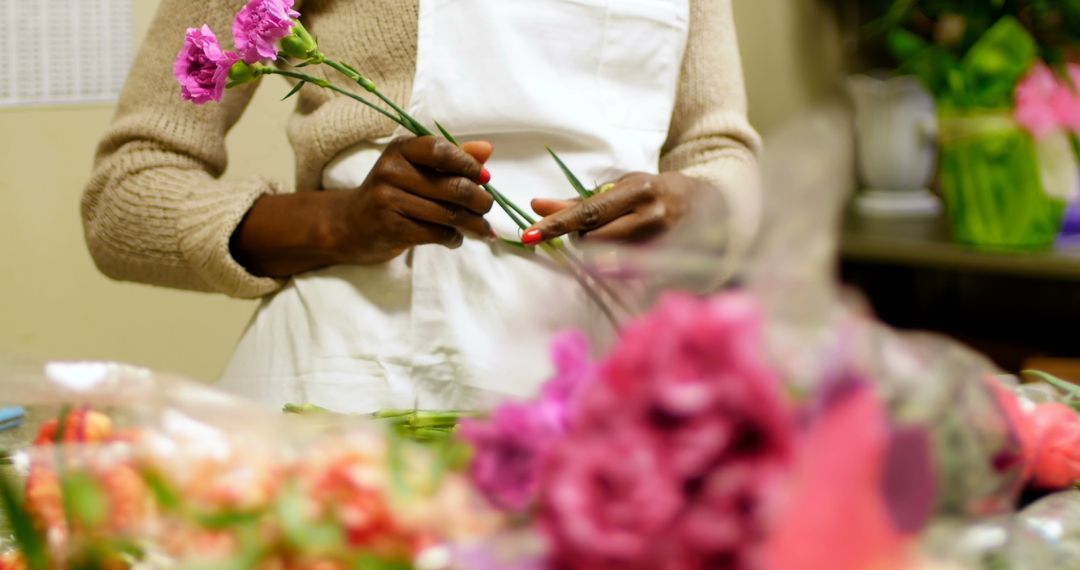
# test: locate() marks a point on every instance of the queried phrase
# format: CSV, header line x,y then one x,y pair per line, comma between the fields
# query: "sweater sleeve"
x,y
156,209
710,137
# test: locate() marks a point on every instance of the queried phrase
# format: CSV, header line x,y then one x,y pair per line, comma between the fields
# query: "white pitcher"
x,y
896,128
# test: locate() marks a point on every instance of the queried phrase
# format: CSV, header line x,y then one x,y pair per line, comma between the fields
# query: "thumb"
x,y
548,206
480,150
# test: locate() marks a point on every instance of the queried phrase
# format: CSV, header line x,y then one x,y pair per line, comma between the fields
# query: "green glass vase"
x,y
992,185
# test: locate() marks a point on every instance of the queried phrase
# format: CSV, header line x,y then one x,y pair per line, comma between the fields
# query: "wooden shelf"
x,y
925,242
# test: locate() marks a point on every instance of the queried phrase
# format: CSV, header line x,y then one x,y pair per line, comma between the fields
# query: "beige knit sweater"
x,y
157,210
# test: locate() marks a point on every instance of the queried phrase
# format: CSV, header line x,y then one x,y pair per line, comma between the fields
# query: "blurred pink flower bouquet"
x,y
681,450
268,34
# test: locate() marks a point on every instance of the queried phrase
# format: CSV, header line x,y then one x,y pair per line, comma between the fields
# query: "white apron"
x,y
460,329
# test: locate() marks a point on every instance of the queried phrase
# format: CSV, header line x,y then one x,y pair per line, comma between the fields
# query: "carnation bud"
x,y
242,72
300,45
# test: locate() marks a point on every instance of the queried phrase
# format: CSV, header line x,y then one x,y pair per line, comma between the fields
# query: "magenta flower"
x,y
676,451
202,67
609,501
693,370
258,27
1046,103
509,448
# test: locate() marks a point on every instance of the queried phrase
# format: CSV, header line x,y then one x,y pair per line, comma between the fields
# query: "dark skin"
x,y
422,191
639,208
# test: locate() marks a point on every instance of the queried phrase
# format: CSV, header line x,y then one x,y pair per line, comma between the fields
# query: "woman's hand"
x,y
422,190
638,208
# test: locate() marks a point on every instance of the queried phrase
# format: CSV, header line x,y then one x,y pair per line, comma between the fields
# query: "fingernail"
x,y
493,237
485,176
531,237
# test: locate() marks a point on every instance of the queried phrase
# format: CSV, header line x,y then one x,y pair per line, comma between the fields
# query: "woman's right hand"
x,y
422,190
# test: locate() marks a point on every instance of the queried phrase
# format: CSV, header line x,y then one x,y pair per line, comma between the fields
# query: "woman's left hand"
x,y
638,208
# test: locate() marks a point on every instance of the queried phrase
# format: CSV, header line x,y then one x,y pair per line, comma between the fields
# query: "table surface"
x,y
925,242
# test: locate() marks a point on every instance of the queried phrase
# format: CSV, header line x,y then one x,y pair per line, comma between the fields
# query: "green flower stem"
x,y
327,85
520,211
611,293
584,284
368,85
516,213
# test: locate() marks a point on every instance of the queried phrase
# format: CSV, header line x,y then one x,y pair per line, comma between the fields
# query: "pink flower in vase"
x,y
1066,99
202,67
258,27
1035,109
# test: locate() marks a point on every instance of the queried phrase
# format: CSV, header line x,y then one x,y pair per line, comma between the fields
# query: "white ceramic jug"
x,y
896,128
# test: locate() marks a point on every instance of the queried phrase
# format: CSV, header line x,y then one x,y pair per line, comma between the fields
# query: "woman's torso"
x,y
594,79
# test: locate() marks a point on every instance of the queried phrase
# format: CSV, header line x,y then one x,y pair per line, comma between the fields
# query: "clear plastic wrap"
x,y
123,466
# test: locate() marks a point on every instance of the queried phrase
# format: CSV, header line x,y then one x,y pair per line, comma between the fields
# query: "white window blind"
x,y
64,51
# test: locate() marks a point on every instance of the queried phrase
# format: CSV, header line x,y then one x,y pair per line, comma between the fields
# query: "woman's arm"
x,y
710,138
155,210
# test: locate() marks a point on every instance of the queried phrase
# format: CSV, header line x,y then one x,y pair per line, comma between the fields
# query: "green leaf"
x,y
578,186
446,133
905,44
997,62
165,496
226,519
83,498
304,534
367,561
30,543
296,89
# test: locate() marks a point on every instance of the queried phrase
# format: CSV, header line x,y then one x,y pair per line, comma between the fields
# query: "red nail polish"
x,y
531,237
485,176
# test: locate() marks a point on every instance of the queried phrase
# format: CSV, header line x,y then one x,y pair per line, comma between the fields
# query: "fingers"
x,y
422,233
430,212
453,190
549,206
637,226
439,154
480,150
589,214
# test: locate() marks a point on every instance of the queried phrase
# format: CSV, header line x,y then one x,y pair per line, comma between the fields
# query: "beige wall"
x,y
54,303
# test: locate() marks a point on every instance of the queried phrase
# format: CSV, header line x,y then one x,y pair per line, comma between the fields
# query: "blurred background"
x,y
818,73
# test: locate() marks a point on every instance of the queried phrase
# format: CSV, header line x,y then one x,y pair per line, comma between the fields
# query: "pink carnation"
x,y
684,412
1056,458
258,27
1049,440
1045,102
509,448
1067,99
202,67
610,501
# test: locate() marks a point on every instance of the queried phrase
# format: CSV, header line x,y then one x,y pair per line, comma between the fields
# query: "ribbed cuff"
x,y
206,225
